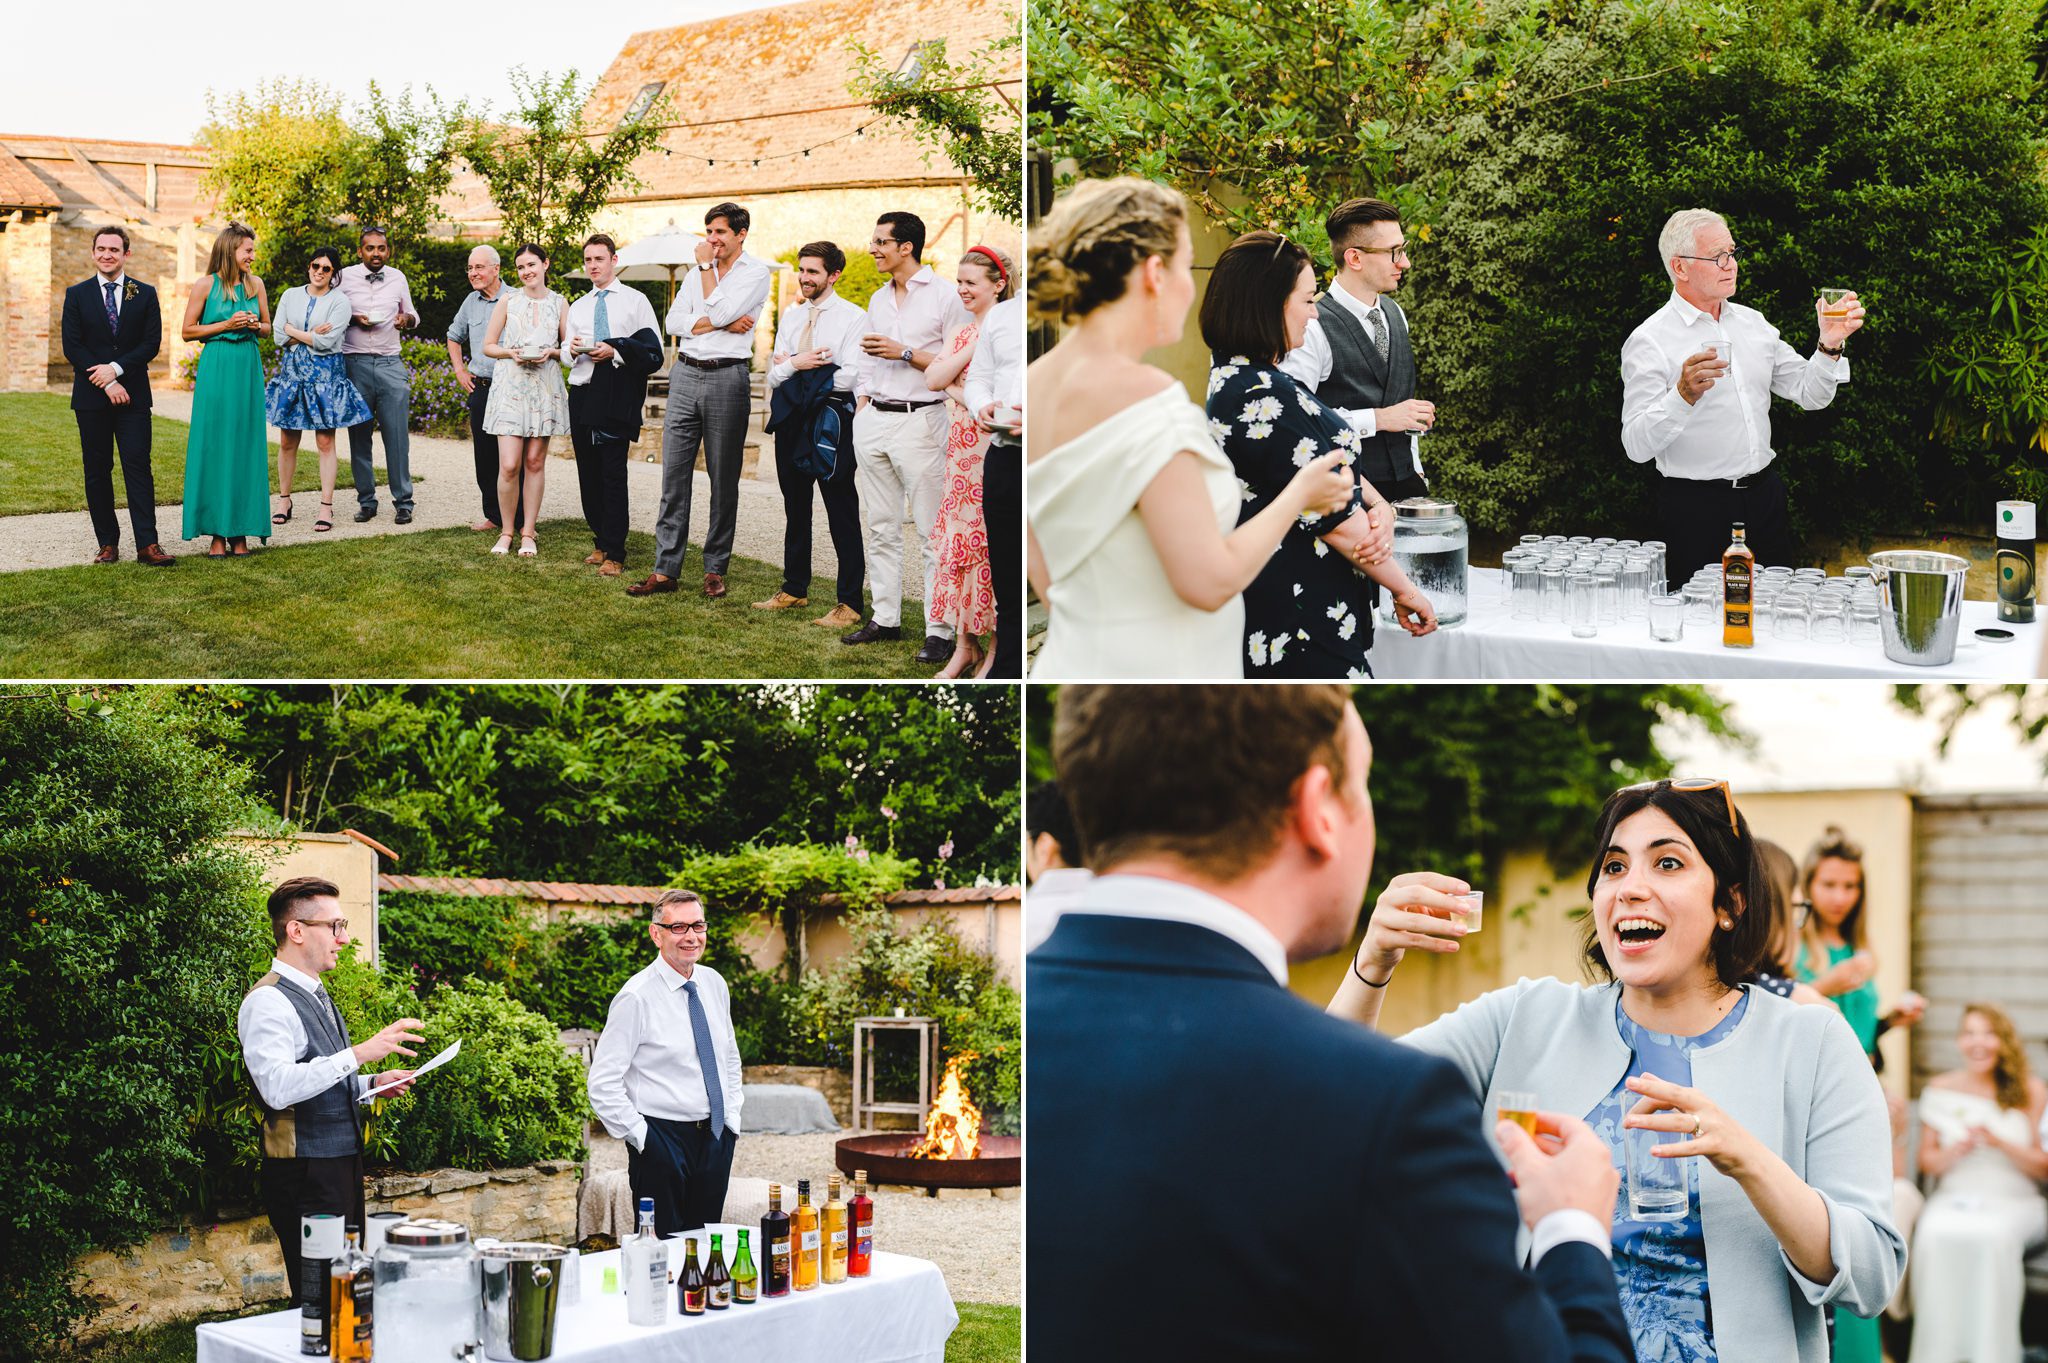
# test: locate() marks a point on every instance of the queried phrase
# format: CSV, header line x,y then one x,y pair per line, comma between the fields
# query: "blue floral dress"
x,y
311,391
1308,614
1661,1266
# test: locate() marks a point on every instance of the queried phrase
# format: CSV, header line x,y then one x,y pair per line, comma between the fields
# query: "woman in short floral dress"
x,y
529,400
1308,614
311,391
963,594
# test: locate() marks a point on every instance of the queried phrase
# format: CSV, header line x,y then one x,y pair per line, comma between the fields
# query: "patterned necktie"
x,y
810,335
1376,323
602,327
113,311
707,1060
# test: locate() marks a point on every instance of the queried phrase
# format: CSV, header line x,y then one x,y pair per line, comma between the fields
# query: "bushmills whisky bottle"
x,y
1738,593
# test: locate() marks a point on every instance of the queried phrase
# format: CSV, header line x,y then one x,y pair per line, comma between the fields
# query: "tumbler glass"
x,y
1667,616
1830,619
1550,603
1792,616
1606,596
1525,589
1581,609
1658,1188
1635,586
1701,604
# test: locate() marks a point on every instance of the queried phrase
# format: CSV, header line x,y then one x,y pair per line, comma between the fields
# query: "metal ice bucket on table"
x,y
522,1286
1920,595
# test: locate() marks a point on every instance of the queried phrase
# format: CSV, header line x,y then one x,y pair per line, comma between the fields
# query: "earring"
x,y
1727,923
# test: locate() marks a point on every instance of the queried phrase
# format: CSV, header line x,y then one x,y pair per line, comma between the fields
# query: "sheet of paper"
x,y
434,1064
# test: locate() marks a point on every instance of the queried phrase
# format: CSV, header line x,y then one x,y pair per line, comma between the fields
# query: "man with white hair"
x,y
1697,380
472,320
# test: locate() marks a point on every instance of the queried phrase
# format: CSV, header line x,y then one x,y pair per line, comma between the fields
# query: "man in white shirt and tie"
x,y
899,428
307,1076
613,337
1697,379
824,329
666,1075
710,399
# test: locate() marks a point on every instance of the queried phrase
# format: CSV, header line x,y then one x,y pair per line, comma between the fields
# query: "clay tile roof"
x,y
19,187
773,81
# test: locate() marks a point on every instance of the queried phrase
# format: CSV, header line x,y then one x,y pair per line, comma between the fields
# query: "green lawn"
x,y
428,604
987,1334
41,469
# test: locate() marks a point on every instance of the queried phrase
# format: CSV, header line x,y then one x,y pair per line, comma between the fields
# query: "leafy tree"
x,y
1270,116
549,171
1950,704
857,283
1993,378
957,110
122,955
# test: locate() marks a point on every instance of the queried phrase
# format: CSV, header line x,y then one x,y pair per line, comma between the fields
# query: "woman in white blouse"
x,y
311,391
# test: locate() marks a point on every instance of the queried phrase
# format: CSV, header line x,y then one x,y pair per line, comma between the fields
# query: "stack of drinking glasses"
x,y
1619,578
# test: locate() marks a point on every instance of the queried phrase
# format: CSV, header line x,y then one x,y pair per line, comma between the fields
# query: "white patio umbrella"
x,y
663,255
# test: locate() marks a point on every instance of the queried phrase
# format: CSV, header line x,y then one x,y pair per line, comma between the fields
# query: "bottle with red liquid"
x,y
775,1255
860,1258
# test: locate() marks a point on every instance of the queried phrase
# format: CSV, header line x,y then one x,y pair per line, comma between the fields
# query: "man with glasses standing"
x,y
295,1045
666,1075
1355,355
1710,440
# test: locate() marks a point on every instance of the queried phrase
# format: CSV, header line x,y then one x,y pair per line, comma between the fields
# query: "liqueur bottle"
x,y
645,1257
717,1280
834,1216
1738,593
746,1282
808,1251
348,1314
691,1287
775,1248
860,1213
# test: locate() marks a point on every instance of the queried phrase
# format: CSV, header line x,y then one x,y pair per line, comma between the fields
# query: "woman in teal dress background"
x,y
227,452
1834,959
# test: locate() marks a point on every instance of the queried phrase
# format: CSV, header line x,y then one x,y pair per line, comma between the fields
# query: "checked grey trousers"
x,y
383,382
707,409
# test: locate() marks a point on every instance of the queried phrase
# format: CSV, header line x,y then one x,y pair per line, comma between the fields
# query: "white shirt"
x,y
272,1038
1049,896
646,1060
100,282
1310,363
840,325
741,291
1131,896
1727,433
627,310
996,373
930,312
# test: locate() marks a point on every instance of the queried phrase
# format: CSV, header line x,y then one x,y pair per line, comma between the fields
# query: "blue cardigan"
x,y
1795,1078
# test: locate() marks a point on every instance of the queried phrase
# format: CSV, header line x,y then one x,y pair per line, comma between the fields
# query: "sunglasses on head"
x,y
1692,785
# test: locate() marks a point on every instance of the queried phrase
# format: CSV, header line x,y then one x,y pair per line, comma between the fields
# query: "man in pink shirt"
x,y
380,304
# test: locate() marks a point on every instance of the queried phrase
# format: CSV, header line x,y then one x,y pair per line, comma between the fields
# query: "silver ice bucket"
x,y
1921,595
522,1286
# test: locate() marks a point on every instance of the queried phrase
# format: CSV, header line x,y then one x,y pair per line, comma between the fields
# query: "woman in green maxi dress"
x,y
227,452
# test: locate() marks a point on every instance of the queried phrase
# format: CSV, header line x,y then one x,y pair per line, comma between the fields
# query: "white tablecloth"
x,y
902,1313
1492,646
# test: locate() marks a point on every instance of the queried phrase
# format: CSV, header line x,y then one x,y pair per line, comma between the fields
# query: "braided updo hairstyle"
x,y
1083,253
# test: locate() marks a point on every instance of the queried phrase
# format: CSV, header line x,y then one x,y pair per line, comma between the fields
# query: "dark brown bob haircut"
x,y
1244,311
286,899
1742,885
1199,773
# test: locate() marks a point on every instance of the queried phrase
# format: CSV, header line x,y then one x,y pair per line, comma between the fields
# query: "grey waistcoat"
x,y
1793,1075
1359,378
328,1124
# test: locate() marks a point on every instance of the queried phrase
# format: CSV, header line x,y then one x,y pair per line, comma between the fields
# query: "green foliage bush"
x,y
858,282
437,403
121,954
1843,146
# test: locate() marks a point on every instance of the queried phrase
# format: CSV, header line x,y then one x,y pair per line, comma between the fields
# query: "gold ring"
x,y
1696,1126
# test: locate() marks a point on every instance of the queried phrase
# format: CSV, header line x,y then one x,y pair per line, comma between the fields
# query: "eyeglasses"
x,y
336,925
1692,785
884,241
1721,261
1398,251
696,929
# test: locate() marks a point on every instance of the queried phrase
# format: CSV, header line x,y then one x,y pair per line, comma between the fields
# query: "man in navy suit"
x,y
1219,1170
112,330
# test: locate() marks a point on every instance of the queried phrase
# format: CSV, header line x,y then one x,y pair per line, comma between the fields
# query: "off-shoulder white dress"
x,y
1969,1248
1114,614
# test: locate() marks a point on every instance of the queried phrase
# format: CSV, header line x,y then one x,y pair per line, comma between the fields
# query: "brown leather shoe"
x,y
652,583
781,601
714,585
611,567
109,553
593,558
154,556
840,616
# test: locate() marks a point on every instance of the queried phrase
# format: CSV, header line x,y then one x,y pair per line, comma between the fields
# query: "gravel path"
x,y
444,493
977,1242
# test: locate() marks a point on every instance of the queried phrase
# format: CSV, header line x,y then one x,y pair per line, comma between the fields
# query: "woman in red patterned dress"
x,y
963,593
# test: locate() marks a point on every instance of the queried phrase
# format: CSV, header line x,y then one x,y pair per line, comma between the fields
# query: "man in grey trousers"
x,y
709,398
380,304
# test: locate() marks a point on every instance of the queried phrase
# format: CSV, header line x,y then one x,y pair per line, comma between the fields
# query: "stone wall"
x,y
181,1273
26,320
40,260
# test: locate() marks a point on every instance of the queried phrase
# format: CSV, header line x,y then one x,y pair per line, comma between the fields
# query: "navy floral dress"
x,y
1661,1266
1308,614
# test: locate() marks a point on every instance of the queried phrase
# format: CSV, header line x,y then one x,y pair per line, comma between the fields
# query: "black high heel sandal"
x,y
286,517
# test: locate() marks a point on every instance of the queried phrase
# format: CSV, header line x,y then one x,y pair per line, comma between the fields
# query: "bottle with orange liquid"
x,y
808,1246
1738,588
834,1217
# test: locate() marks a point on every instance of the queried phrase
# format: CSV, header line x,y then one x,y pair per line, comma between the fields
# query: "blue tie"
x,y
603,325
113,312
700,1028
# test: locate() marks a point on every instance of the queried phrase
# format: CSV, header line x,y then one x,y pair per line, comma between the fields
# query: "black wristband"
x,y
1836,353
1364,981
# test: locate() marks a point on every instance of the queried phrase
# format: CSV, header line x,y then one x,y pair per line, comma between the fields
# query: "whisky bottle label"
x,y
810,1242
1739,619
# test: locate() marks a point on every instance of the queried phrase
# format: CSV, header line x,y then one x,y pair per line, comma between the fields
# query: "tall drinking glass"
x,y
1658,1188
1581,609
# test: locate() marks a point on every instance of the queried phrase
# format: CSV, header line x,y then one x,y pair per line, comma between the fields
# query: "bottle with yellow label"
x,y
1738,593
835,1233
804,1225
